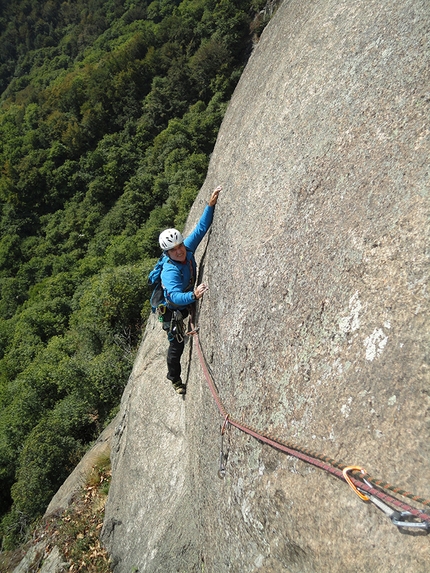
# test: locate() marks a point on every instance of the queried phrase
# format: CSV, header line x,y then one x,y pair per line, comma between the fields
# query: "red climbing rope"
x,y
365,484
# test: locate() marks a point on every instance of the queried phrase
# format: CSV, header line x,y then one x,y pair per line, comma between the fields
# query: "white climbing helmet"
x,y
170,238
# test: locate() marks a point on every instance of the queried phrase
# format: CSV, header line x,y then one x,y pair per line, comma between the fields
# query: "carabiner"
x,y
162,308
222,457
399,521
351,485
398,518
221,471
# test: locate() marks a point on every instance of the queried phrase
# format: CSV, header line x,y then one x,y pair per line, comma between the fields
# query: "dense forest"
x,y
109,111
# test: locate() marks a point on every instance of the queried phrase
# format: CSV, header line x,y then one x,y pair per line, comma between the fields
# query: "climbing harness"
x,y
367,488
175,327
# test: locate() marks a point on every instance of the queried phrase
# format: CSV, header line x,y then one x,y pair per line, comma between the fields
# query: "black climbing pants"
x,y
176,347
174,354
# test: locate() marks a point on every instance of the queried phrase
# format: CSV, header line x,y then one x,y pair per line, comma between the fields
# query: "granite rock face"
x,y
315,327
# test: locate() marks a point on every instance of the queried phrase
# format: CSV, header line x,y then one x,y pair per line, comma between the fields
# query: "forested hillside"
x,y
109,112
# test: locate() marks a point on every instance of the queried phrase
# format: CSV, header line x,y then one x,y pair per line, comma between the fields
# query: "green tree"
x,y
108,112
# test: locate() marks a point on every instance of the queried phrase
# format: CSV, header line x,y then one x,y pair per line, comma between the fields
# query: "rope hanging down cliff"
x,y
365,486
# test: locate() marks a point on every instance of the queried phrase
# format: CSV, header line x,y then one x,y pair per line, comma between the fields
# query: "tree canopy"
x,y
109,111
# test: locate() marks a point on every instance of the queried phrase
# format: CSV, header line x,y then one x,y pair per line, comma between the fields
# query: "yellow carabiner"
x,y
351,485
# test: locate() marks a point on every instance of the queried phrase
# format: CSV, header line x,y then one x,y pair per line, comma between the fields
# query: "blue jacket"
x,y
178,279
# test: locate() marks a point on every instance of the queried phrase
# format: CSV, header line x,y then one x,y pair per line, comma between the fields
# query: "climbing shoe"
x,y
179,387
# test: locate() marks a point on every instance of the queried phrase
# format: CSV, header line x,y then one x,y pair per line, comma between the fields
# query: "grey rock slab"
x,y
315,325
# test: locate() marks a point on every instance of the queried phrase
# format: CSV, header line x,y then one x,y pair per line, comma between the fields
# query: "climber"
x,y
178,279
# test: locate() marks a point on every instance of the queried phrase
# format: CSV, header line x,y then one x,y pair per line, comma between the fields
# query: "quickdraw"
x,y
222,456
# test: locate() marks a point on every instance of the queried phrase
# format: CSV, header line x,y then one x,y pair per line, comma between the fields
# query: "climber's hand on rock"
x,y
214,196
200,290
